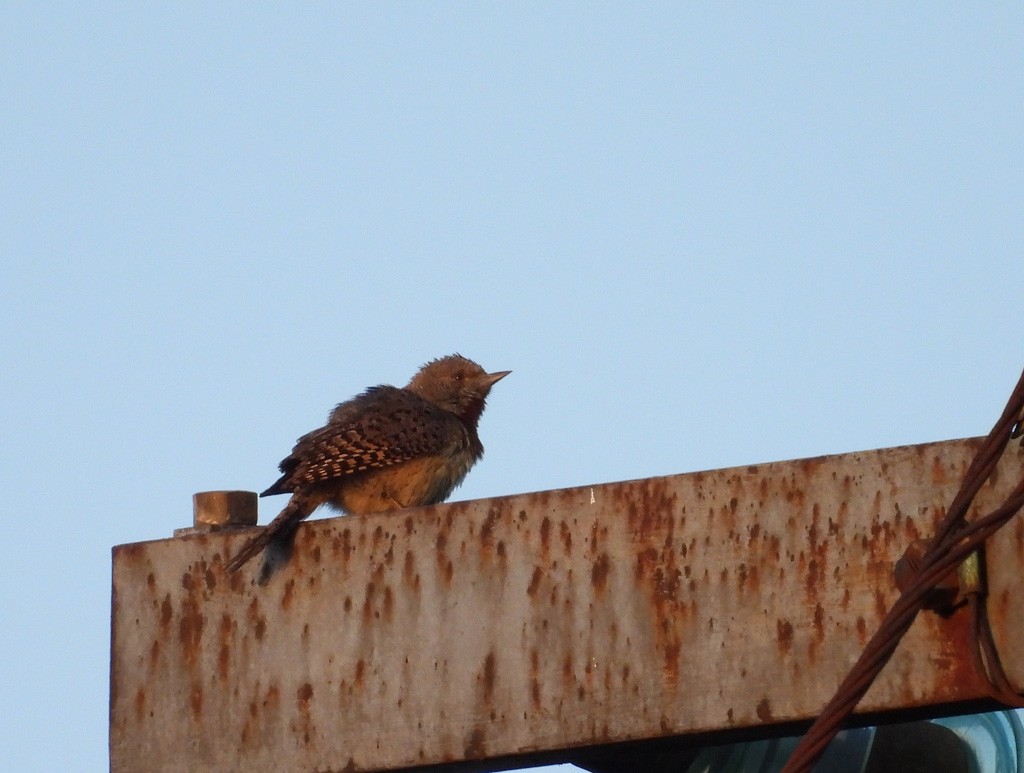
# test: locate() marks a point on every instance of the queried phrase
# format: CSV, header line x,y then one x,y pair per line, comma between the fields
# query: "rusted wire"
x,y
954,540
986,657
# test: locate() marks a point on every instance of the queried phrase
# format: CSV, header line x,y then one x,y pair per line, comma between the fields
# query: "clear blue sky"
x,y
701,235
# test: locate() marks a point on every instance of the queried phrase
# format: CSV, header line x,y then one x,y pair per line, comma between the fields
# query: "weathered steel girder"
x,y
663,607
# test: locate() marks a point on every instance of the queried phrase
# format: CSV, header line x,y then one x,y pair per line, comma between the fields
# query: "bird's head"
x,y
456,384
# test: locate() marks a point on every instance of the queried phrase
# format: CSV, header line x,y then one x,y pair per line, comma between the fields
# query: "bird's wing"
x,y
382,427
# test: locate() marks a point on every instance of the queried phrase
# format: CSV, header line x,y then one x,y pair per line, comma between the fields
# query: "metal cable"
x,y
954,540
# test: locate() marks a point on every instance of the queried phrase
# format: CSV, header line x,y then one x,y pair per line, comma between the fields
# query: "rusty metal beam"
x,y
663,607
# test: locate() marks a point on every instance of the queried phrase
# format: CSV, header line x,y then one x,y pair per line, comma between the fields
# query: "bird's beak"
x,y
493,378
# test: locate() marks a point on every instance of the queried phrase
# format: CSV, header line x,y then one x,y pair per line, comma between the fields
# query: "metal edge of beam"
x,y
690,604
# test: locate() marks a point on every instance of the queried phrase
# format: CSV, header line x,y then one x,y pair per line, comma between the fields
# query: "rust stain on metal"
x,y
140,703
535,579
224,655
784,634
190,629
566,535
862,630
154,654
535,679
445,566
409,575
368,612
303,697
651,513
545,535
341,545
599,572
600,614
489,676
957,672
741,577
475,747
166,611
568,670
487,530
257,622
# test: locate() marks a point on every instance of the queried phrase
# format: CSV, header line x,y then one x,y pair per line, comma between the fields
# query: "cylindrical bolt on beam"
x,y
217,510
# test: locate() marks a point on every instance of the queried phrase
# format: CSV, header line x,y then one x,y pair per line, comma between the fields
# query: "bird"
x,y
385,449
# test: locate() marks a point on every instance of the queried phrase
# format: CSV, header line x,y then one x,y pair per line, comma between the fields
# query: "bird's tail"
x,y
296,510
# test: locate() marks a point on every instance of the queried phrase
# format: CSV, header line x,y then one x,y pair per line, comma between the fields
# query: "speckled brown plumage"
x,y
384,449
